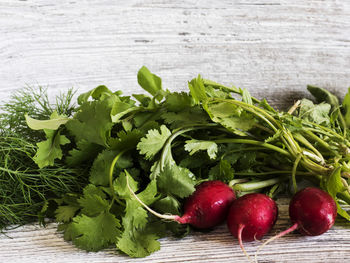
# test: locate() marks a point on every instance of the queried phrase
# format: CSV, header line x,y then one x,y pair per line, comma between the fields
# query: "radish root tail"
x,y
240,230
285,232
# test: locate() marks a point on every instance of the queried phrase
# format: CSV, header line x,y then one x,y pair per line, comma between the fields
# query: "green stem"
x,y
111,170
255,185
254,142
313,136
294,171
270,173
302,139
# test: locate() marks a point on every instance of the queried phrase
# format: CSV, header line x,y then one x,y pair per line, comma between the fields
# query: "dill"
x,y
25,188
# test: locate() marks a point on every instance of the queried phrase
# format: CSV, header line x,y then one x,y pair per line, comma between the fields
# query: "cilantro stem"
x,y
302,139
255,142
295,166
255,185
270,173
313,136
111,170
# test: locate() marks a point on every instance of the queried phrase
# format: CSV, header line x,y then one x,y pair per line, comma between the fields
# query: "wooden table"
x,y
274,48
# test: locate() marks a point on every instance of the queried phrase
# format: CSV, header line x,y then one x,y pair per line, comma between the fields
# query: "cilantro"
x,y
176,180
50,149
150,82
93,121
153,142
95,233
194,146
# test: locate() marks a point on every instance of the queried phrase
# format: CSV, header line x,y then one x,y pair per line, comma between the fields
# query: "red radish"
x,y
251,217
313,212
205,208
208,205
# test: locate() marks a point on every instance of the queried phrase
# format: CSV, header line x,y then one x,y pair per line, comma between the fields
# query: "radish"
x,y
251,217
205,208
208,205
312,212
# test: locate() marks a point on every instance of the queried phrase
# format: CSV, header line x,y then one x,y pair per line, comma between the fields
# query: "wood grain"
x,y
273,48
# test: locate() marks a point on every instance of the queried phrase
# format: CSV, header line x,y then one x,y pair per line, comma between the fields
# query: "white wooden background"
x,y
274,48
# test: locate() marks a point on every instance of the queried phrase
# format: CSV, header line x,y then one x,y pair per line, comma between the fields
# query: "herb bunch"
x,y
165,143
24,187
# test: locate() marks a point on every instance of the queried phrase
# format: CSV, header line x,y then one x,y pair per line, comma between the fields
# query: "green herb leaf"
x,y
197,90
93,121
95,233
176,180
231,117
99,93
65,213
194,146
150,82
318,113
153,142
50,149
346,107
222,171
53,123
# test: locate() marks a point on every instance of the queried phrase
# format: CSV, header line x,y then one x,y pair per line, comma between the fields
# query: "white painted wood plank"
x,y
274,48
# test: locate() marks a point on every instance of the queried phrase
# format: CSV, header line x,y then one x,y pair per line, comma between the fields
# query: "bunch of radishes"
x,y
311,210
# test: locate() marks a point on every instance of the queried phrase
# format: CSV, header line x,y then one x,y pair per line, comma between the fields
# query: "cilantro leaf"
x,y
197,90
318,113
93,121
126,140
153,142
120,109
93,204
95,233
231,117
84,152
139,238
99,93
194,146
176,180
50,149
222,171
186,117
176,102
150,82
53,123
142,242
65,213
323,95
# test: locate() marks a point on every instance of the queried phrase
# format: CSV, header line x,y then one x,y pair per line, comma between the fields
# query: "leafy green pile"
x,y
165,143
